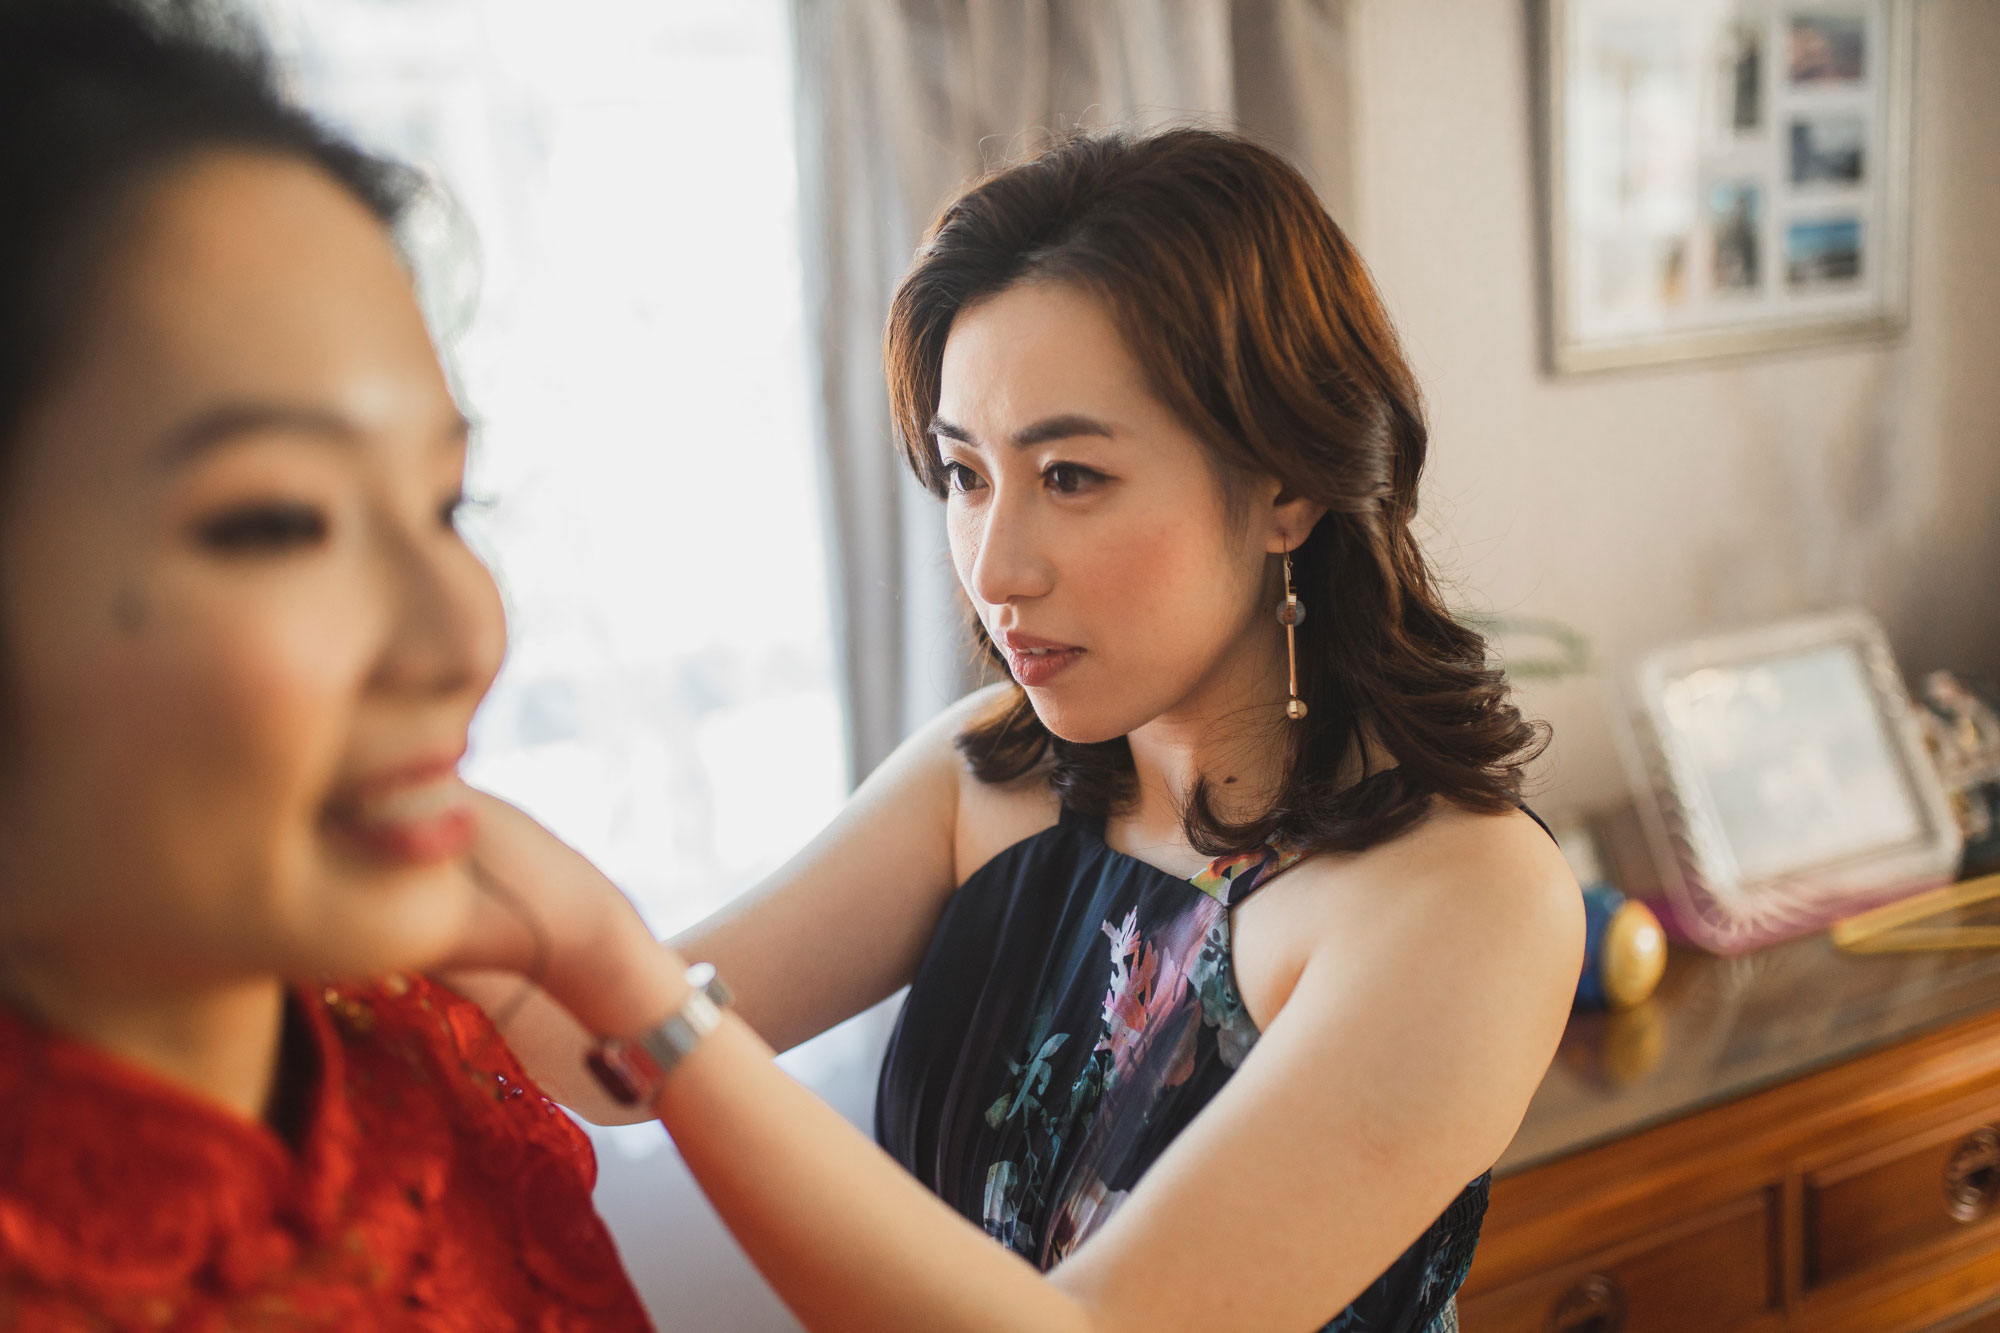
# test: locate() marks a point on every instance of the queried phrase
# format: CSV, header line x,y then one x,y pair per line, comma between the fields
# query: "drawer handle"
x,y
1594,1305
1972,1176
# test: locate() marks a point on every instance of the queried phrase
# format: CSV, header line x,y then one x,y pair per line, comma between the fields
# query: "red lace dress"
x,y
434,1188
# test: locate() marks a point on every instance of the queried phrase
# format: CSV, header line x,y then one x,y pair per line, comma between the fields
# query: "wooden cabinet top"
x,y
1721,1028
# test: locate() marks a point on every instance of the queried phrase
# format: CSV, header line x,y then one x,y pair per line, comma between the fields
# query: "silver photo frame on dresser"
x,y
1783,781
1722,178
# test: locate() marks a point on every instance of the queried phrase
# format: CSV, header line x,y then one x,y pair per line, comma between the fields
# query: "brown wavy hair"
x,y
1258,326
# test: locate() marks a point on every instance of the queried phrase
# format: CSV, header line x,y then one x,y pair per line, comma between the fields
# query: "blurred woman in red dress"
x,y
241,640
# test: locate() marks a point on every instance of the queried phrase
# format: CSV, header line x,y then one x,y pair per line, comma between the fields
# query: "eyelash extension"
x,y
952,471
1084,476
267,526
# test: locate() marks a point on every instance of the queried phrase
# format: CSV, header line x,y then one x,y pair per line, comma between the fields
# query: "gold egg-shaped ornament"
x,y
1624,953
1634,956
1295,709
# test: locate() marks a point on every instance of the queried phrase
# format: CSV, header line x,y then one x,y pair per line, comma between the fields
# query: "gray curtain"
x,y
900,103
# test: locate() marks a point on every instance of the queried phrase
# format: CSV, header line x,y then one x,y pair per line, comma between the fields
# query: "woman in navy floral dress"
x,y
1126,1039
1233,959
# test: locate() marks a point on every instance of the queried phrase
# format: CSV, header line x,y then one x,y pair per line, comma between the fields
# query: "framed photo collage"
x,y
1723,176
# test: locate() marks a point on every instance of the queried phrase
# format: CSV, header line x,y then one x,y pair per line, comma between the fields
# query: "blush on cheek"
x,y
1164,608
279,698
235,729
1149,590
171,780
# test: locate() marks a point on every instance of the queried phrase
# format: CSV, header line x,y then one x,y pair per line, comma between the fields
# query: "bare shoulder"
x,y
1494,867
924,807
1443,960
924,770
1458,869
1478,897
928,778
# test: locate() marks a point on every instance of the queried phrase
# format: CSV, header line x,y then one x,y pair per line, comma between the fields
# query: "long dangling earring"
x,y
1291,614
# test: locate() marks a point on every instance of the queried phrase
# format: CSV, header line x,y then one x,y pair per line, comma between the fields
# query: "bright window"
x,y
634,359
632,353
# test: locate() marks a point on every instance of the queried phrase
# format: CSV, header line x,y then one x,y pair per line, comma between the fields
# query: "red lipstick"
x,y
1036,661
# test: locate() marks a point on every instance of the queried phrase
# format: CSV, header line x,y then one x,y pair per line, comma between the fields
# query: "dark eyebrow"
x,y
219,425
1065,427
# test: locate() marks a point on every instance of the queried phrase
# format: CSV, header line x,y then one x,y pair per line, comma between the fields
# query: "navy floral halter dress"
x,y
1076,1008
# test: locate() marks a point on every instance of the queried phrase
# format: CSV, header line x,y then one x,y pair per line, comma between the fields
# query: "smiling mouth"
x,y
414,821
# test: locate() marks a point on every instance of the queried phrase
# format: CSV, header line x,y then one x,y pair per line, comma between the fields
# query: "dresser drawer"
x,y
1710,1272
1932,1191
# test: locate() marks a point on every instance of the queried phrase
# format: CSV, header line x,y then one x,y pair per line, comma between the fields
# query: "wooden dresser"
x,y
1797,1139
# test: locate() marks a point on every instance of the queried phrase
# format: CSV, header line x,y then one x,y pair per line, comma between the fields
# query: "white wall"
x,y
1644,506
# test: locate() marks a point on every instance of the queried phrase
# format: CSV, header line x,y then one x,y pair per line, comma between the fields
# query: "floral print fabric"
x,y
1076,1009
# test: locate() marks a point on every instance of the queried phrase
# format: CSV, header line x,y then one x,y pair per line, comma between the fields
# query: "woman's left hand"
x,y
544,912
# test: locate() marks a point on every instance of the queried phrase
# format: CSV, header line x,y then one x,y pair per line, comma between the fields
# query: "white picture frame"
x,y
1723,177
1783,781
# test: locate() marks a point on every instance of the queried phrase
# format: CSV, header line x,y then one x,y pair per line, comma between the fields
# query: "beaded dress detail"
x,y
1075,1010
433,1188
